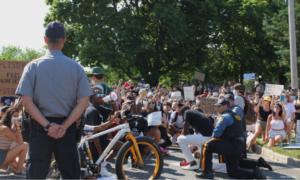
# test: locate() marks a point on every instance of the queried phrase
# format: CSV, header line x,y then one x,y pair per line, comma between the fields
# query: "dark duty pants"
x,y
231,150
41,147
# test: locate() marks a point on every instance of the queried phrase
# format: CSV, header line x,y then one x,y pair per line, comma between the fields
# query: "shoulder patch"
x,y
237,117
234,110
220,120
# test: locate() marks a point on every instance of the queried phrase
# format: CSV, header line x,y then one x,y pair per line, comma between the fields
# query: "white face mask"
x,y
174,89
93,82
158,107
197,101
128,106
145,103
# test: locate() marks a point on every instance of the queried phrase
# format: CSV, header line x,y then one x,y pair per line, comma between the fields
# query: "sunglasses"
x,y
151,102
98,95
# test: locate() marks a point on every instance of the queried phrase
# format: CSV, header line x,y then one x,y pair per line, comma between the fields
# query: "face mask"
x,y
128,106
208,89
145,103
215,94
93,82
147,88
197,101
234,93
284,100
174,89
158,107
12,120
131,87
115,90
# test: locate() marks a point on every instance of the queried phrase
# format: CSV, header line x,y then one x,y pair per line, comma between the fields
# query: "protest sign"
x,y
207,105
200,76
297,138
154,119
176,95
163,91
10,74
188,93
249,76
272,89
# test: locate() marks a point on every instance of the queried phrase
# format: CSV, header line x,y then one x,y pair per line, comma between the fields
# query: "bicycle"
x,y
138,169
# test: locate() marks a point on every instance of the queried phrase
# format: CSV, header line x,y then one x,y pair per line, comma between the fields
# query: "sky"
x,y
22,23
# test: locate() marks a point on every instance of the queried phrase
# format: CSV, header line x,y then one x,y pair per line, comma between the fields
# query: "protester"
x,y
7,137
142,84
176,124
203,127
276,126
3,111
263,112
289,116
238,93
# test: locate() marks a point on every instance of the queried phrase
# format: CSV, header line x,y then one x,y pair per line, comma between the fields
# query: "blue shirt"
x,y
224,121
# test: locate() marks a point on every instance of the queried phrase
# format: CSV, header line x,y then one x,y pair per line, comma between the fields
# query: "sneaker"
x,y
184,163
191,168
280,144
289,142
164,150
174,140
250,150
104,172
20,174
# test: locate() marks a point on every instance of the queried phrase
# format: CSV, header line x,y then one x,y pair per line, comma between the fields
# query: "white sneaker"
x,y
289,142
174,140
190,168
280,144
104,172
250,150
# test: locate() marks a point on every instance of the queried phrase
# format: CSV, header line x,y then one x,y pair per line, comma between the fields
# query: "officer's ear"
x,y
64,40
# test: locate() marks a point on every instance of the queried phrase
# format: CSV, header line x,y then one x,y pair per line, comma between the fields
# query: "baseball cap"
x,y
229,96
142,79
222,102
55,30
174,86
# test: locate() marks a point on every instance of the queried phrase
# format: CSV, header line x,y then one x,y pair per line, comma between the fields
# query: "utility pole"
x,y
293,51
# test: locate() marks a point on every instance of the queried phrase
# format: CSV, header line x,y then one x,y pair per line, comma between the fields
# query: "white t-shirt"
x,y
142,85
239,101
289,109
179,122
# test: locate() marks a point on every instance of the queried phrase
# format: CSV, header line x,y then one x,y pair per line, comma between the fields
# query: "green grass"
x,y
294,153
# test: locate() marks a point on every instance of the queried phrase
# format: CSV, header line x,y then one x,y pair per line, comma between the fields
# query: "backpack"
x,y
176,116
250,114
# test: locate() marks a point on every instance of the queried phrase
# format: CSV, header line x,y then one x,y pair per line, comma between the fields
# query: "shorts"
x,y
262,123
177,127
3,155
273,134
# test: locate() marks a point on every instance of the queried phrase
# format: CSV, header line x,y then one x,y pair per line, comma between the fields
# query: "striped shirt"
x,y
5,143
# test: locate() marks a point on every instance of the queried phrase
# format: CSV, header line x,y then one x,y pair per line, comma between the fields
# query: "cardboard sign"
x,y
176,95
200,76
163,91
10,75
249,76
188,93
154,119
207,105
272,89
297,138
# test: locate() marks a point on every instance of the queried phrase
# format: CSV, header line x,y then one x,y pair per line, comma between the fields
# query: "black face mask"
x,y
131,87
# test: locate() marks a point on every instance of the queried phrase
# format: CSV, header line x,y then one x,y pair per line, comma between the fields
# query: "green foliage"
x,y
15,53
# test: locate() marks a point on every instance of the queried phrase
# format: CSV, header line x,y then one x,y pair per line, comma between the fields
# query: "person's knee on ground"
x,y
279,139
271,142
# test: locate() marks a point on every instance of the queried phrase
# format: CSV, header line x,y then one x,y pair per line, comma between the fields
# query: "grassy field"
x,y
295,153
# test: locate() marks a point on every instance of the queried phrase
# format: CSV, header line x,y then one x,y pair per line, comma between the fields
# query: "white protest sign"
x,y
249,76
272,89
188,93
154,119
176,95
297,138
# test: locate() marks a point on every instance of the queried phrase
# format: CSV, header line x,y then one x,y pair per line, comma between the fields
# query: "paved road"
x,y
281,171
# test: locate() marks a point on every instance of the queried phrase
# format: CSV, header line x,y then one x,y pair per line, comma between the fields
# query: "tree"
x,y
141,38
15,53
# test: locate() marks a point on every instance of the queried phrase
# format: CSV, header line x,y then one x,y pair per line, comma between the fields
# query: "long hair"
x,y
280,112
6,119
147,106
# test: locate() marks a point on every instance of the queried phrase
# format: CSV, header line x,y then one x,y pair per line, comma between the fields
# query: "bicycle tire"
x,y
140,141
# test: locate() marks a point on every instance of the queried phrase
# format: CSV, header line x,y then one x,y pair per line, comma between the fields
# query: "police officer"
x,y
55,92
227,140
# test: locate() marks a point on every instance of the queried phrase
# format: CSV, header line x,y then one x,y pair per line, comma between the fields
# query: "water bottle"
x,y
9,169
129,162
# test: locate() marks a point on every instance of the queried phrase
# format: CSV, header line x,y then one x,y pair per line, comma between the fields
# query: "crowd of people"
x,y
44,113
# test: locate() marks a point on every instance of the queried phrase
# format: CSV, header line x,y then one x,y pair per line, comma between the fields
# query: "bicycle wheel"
x,y
153,162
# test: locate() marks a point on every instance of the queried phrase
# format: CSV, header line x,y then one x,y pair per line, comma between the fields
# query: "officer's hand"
x,y
56,131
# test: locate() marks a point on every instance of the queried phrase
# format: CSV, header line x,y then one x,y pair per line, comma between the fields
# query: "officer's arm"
x,y
186,128
34,111
222,123
76,112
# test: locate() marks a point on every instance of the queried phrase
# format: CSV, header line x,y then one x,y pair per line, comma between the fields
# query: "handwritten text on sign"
x,y
272,89
10,74
176,95
154,119
207,105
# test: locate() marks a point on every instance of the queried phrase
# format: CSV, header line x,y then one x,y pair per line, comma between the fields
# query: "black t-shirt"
x,y
6,100
263,115
96,116
199,121
139,126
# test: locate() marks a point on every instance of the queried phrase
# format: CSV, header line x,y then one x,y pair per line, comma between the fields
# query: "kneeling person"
x,y
203,131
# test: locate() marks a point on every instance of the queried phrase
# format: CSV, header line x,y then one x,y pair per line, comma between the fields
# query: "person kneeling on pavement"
x,y
227,140
203,128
